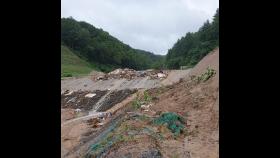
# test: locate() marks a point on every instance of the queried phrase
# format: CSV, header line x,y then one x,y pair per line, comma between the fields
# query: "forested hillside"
x,y
191,48
99,48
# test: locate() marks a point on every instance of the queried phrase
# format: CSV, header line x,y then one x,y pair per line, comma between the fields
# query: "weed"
x,y
136,104
205,76
147,97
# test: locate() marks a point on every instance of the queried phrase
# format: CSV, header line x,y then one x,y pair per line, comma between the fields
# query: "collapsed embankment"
x,y
179,120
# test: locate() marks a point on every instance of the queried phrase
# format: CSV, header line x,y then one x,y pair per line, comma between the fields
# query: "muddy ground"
x,y
77,100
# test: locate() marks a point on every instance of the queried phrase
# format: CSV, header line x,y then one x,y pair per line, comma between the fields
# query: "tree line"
x,y
191,48
99,47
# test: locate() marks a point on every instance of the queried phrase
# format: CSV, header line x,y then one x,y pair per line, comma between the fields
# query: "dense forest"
x,y
191,48
99,48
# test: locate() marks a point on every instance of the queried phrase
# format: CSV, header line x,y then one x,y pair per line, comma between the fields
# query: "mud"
x,y
77,100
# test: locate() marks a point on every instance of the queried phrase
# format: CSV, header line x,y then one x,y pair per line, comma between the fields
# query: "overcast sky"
x,y
151,25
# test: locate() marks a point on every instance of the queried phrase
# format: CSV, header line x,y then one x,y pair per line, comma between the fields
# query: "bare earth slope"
x,y
200,103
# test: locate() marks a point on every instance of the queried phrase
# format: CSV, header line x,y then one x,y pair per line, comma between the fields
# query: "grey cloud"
x,y
152,25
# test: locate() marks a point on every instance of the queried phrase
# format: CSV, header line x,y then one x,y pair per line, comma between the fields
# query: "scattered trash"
x,y
90,95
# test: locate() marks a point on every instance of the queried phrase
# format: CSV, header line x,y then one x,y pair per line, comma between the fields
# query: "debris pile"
x,y
132,74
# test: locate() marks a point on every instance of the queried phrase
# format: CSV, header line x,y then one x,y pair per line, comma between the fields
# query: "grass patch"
x,y
73,65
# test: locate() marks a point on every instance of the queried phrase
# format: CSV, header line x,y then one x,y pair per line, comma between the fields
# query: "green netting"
x,y
174,122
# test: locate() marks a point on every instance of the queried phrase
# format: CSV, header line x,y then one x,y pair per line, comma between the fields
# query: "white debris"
x,y
78,110
100,77
145,107
161,75
115,72
100,124
90,95
69,93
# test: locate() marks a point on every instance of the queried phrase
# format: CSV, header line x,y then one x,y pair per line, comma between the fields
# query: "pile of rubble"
x,y
132,74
